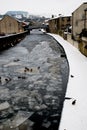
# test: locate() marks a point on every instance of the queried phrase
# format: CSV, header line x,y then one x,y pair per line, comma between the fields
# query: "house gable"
x,y
10,25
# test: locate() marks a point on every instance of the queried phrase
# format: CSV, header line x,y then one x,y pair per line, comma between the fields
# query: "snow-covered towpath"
x,y
74,114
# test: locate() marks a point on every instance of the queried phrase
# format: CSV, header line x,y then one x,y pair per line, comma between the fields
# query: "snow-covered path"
x,y
74,114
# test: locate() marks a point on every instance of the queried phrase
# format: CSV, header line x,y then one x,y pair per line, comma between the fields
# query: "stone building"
x,y
10,25
56,25
79,20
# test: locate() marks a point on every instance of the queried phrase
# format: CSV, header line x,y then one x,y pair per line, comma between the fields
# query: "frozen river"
x,y
33,81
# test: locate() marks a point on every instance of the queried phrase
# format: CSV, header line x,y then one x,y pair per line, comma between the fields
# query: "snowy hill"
x,y
18,14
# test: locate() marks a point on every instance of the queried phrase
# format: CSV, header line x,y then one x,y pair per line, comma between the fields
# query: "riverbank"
x,y
74,114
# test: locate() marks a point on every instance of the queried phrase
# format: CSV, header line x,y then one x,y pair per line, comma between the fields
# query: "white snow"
x,y
74,117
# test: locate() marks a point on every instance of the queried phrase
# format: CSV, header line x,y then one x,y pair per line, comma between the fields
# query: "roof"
x,y
59,17
79,7
12,18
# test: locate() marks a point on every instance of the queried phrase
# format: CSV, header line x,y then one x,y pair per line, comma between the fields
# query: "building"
x,y
10,25
56,25
79,20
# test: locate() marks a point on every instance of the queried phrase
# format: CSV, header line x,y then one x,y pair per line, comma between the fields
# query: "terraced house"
x,y
59,24
79,20
10,25
79,27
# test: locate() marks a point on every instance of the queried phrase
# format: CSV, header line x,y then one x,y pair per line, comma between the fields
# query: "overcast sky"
x,y
41,7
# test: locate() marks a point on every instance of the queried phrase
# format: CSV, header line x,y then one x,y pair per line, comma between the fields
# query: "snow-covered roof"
x,y
59,17
74,114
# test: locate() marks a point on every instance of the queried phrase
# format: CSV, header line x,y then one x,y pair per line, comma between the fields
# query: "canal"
x,y
33,82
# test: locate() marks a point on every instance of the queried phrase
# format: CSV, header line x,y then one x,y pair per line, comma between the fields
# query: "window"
x,y
83,16
68,19
76,23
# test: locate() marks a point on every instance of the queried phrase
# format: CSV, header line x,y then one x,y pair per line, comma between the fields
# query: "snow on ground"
x,y
74,114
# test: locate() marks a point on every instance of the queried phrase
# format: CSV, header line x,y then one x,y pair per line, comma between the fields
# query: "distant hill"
x,y
25,16
18,14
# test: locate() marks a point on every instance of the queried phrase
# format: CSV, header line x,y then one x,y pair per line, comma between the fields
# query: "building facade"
x,y
79,20
59,24
10,25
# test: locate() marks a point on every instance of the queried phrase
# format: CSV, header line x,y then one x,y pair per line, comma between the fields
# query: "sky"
x,y
41,7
